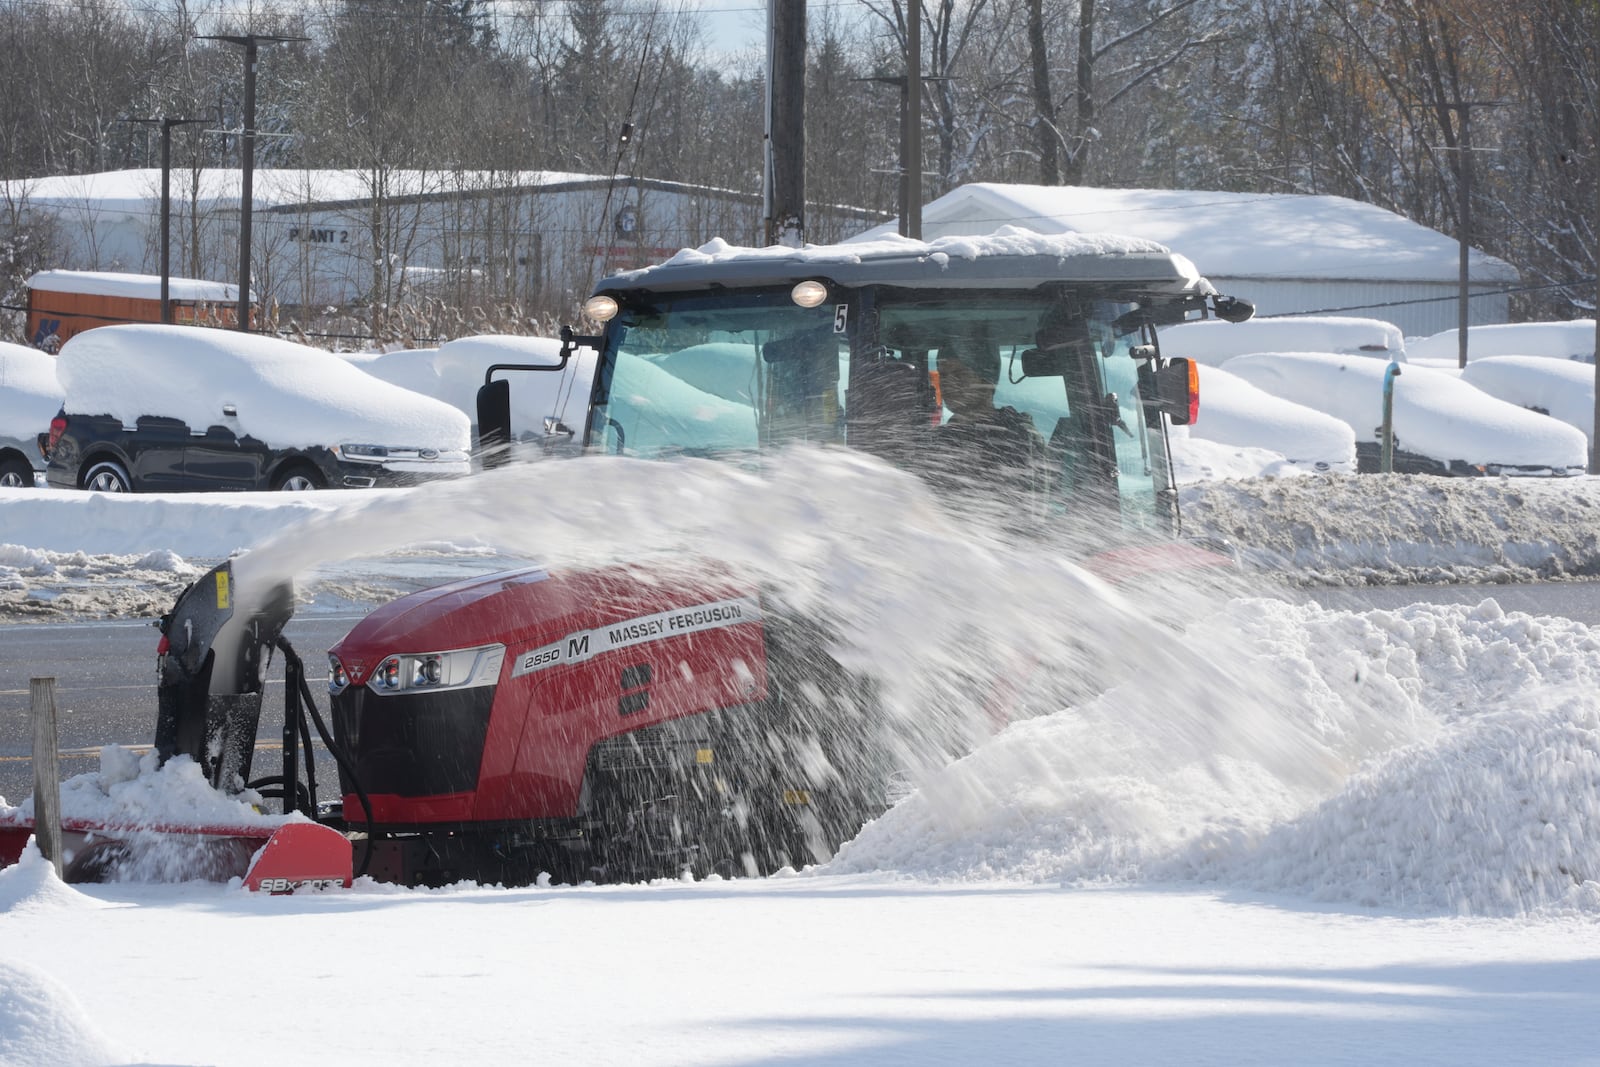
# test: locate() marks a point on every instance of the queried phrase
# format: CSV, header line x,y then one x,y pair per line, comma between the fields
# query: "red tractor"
x,y
631,721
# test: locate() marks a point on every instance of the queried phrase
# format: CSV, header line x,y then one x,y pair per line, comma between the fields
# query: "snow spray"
x,y
1231,735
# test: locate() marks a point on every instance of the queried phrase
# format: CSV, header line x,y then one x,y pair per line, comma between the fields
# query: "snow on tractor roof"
x,y
284,394
1009,257
134,286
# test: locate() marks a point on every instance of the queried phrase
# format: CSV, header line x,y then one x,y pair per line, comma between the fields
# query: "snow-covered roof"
x,y
136,286
269,187
1232,235
1008,256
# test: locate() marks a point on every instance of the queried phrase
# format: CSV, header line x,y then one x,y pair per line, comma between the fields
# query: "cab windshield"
x,y
1035,393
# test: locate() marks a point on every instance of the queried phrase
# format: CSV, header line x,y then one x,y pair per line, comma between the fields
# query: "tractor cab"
x,y
1023,367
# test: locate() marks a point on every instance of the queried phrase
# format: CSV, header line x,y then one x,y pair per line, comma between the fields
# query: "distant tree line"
x,y
1407,104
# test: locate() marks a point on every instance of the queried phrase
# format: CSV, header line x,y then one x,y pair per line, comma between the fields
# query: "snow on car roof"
x,y
1435,413
1560,387
135,286
1235,412
1559,340
1213,341
286,395
30,395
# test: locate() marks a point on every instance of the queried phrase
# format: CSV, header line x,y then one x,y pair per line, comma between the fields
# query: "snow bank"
x,y
42,1022
1389,759
284,394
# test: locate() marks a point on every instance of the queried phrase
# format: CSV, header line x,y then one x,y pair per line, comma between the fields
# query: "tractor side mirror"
x,y
494,423
1178,390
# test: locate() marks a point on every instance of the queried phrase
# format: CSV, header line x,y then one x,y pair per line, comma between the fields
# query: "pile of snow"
x,y
130,789
1435,413
1295,753
1384,529
1212,341
41,1022
1558,340
284,394
1236,414
1561,389
30,395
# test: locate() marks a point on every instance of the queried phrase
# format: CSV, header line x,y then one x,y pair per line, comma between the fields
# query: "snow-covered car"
x,y
1442,425
1573,340
182,408
29,396
1213,342
1559,388
1237,415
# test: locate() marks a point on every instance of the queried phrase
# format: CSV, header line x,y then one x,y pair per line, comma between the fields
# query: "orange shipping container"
x,y
65,302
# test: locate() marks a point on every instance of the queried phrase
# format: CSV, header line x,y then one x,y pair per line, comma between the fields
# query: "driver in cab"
x,y
981,445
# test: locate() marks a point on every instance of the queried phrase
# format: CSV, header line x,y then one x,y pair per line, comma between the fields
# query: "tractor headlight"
x,y
461,668
338,679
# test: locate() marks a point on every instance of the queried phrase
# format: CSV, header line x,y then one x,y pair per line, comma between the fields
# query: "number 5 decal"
x,y
841,317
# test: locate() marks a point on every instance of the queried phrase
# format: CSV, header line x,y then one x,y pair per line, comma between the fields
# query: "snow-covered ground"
x,y
1283,834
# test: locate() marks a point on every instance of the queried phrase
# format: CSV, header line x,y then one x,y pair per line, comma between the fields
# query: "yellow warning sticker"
x,y
222,590
703,756
797,796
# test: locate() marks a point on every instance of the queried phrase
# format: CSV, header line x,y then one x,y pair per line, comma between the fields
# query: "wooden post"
x,y
46,770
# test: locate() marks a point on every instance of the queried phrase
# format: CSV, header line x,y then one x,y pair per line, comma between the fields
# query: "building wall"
x,y
482,244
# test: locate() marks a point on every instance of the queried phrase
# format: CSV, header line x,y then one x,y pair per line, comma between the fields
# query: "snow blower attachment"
x,y
213,652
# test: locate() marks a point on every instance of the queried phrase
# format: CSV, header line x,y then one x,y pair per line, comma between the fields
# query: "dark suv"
x,y
153,408
163,455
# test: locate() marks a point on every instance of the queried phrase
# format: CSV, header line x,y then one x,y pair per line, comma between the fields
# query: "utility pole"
x,y
911,127
1464,187
251,43
166,125
1594,435
784,195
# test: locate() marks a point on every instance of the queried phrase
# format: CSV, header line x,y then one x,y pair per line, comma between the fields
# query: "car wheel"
x,y
15,474
298,480
107,476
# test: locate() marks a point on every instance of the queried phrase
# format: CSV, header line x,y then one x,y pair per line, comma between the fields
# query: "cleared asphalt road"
x,y
105,676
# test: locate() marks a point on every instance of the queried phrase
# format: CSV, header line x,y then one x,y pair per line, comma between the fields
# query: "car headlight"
x,y
461,668
361,451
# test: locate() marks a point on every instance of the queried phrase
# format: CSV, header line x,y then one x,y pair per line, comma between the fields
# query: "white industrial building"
x,y
1288,254
342,237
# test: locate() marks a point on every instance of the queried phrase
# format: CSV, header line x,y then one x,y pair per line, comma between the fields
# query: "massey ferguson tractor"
x,y
644,719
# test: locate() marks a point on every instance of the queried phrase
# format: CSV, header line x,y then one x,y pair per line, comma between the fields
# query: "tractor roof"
x,y
1009,258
